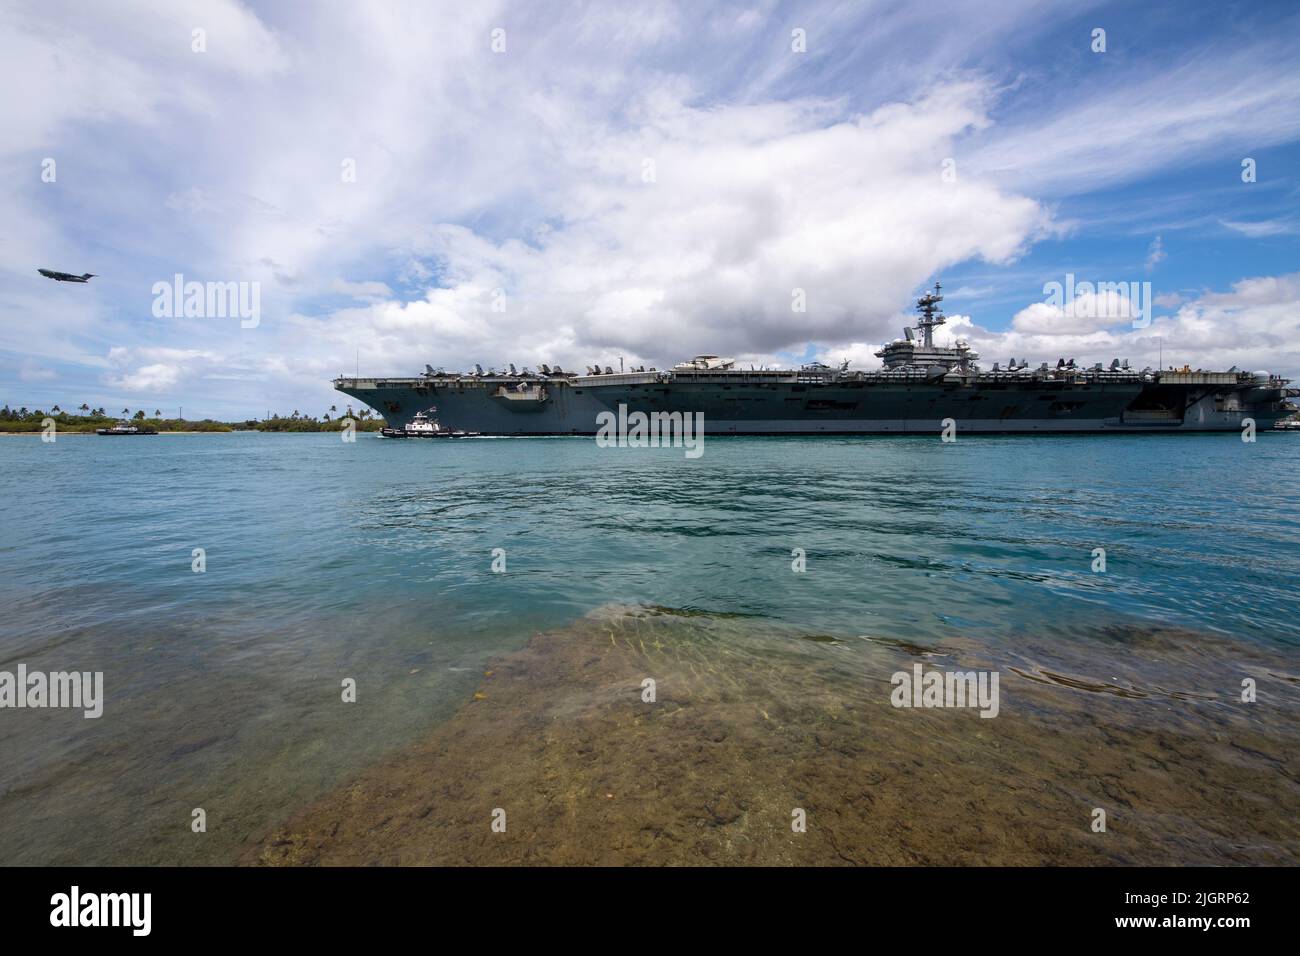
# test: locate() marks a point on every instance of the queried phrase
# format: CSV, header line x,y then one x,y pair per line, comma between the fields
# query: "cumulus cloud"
x,y
1256,325
1088,312
157,370
158,377
698,230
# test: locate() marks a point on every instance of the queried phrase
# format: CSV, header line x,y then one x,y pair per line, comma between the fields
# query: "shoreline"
x,y
557,735
375,431
214,431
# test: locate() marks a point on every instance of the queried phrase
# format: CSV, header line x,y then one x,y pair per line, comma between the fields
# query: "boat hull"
x,y
833,408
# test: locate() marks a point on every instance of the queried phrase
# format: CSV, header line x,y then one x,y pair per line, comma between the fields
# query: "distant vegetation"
x,y
331,421
87,419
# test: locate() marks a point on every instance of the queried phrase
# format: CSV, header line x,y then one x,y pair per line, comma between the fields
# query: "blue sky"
x,y
650,182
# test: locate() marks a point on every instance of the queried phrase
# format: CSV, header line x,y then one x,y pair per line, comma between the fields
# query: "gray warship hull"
x,y
736,402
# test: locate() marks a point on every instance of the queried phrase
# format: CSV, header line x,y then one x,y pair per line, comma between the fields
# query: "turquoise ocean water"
x,y
373,560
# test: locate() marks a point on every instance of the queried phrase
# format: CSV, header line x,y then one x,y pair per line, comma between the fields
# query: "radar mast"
x,y
928,307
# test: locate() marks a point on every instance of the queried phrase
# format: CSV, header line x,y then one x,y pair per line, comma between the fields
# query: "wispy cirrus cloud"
x,y
1261,228
1135,127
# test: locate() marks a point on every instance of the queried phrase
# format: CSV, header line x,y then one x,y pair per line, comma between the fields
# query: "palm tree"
x,y
55,410
126,412
84,408
334,409
157,413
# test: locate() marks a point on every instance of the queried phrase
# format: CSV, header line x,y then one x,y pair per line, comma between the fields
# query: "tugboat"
x,y
420,426
126,428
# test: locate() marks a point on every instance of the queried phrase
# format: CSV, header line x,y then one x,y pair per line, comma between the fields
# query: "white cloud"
x,y
1265,227
1155,253
1085,313
158,369
159,377
1102,131
1254,326
747,205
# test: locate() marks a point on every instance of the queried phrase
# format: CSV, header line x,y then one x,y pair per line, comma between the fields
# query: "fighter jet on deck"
x,y
66,276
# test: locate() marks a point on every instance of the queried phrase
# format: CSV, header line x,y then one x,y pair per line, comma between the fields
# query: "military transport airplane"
x,y
65,276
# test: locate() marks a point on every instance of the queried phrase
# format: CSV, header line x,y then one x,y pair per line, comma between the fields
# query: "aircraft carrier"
x,y
920,386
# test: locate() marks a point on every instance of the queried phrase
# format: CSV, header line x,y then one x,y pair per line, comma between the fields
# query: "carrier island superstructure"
x,y
920,385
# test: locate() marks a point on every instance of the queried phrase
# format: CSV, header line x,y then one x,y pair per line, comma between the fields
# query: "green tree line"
x,y
86,419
